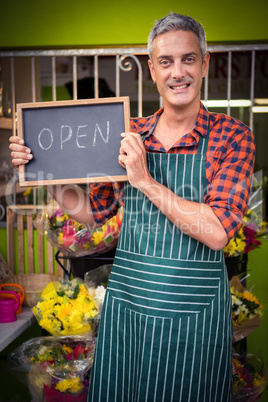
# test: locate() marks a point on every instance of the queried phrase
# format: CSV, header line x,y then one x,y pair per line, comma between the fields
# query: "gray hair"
x,y
176,22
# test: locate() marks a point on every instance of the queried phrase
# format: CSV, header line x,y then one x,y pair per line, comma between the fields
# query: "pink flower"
x,y
69,234
251,242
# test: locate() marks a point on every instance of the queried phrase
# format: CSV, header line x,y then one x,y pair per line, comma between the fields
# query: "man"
x,y
166,328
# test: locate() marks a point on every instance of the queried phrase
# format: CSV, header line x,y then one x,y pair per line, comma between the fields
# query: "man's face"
x,y
177,68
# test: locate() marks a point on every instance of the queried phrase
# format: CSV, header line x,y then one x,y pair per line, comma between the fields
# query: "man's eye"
x,y
189,59
164,62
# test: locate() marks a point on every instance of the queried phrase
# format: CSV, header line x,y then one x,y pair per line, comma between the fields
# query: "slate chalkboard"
x,y
73,141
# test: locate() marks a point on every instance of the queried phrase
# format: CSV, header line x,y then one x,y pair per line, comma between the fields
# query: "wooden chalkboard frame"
x,y
106,102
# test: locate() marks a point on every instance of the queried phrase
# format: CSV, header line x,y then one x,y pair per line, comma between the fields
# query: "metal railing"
x,y
124,60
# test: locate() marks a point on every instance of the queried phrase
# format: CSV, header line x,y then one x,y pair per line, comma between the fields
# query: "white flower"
x,y
235,300
100,294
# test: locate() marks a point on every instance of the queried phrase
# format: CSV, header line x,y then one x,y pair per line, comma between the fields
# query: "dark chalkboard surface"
x,y
73,141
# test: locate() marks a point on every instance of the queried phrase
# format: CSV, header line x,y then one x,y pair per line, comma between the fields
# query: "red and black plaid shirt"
x,y
229,167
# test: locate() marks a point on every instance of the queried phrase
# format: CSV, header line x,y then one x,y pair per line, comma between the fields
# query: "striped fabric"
x,y
162,287
166,328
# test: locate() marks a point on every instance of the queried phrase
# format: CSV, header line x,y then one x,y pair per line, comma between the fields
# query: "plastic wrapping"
x,y
249,378
243,330
73,238
96,282
55,368
66,308
246,310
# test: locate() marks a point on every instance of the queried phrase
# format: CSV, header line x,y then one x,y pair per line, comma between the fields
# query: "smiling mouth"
x,y
179,86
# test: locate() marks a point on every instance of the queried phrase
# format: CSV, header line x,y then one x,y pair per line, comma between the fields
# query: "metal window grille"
x,y
126,65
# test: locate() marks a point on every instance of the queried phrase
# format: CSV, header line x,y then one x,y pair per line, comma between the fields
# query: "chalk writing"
x,y
39,139
68,137
79,136
46,138
97,129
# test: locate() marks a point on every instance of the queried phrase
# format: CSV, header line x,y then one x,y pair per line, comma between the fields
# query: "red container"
x,y
8,307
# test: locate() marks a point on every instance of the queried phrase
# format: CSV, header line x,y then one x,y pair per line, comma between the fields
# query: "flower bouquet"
x,y
67,309
56,368
253,230
249,236
249,380
73,238
246,312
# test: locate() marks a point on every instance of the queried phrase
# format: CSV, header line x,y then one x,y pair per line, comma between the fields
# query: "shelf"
x,y
11,330
6,123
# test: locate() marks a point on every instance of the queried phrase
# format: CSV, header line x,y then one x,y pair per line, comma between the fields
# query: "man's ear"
x,y
151,68
205,65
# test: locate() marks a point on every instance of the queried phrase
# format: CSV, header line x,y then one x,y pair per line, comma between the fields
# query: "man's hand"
x,y
20,154
133,158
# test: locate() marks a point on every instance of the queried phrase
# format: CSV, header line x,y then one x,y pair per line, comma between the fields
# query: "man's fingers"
x,y
17,162
121,159
16,140
19,158
133,138
131,145
19,148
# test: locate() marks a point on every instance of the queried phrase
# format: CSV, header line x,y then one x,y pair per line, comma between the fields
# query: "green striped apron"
x,y
166,328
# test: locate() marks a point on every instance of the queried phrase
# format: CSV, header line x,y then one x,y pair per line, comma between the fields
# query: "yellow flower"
x,y
259,380
60,238
27,191
250,297
66,309
240,318
99,234
67,349
73,385
236,246
83,292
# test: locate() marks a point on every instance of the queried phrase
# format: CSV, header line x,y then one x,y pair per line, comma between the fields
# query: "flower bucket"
x,y
56,369
51,395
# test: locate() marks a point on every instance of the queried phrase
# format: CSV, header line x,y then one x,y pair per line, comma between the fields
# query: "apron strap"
x,y
144,135
203,142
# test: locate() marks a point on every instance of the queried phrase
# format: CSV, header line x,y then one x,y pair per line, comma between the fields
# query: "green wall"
x,y
258,281
70,23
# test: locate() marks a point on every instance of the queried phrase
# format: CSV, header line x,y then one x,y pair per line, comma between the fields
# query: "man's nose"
x,y
178,70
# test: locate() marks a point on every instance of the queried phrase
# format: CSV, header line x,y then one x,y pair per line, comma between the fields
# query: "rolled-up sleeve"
x,y
231,176
106,199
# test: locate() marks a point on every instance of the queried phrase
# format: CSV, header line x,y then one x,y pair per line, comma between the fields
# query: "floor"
x,y
12,384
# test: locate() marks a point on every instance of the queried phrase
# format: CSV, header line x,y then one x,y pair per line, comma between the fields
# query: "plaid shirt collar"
x,y
200,127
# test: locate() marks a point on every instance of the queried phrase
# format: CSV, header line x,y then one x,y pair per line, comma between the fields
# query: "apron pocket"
x,y
163,287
